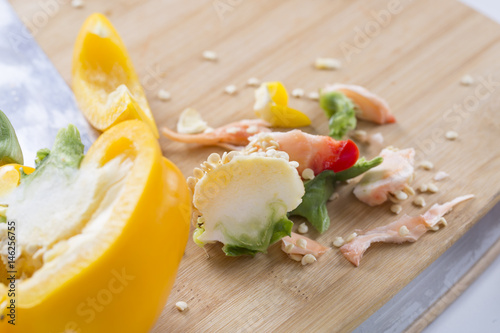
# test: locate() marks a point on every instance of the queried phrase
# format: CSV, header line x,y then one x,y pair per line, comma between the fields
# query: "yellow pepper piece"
x,y
272,105
10,175
104,81
119,280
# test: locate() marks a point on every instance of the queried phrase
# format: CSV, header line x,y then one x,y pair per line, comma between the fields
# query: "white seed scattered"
x,y
294,164
443,221
181,306
231,89
426,165
419,201
253,82
308,174
163,95
467,80
327,63
432,188
302,243
289,247
209,55
451,135
338,241
434,228
298,93
351,237
440,175
423,188
409,190
403,231
360,135
308,259
396,209
77,3
376,139
313,95
334,196
303,228
400,195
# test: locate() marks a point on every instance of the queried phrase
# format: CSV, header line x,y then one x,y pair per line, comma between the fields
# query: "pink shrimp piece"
x,y
236,134
370,106
405,229
296,252
316,152
394,174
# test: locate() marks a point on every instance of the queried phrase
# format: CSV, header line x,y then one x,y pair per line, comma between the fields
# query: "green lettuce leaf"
x,y
361,166
244,246
10,150
319,190
67,152
313,206
340,111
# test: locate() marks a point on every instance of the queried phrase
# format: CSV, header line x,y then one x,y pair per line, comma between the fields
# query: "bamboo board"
x,y
414,56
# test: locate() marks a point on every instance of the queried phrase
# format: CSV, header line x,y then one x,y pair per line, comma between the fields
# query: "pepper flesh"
x,y
104,80
101,291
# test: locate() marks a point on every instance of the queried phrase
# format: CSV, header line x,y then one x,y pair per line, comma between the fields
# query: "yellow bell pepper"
x,y
104,80
119,280
10,175
271,105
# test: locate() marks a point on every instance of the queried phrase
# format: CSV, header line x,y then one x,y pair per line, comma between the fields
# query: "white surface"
x,y
478,308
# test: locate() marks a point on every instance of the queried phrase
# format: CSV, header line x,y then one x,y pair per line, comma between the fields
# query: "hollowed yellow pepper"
x,y
104,80
119,282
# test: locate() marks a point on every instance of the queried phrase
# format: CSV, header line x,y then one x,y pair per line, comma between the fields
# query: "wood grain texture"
x,y
415,61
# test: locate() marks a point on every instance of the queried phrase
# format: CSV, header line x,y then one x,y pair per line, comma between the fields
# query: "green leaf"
x,y
313,206
10,150
67,152
340,111
282,228
361,166
40,155
232,250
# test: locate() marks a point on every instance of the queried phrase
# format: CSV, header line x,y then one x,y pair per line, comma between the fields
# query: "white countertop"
x,y
478,308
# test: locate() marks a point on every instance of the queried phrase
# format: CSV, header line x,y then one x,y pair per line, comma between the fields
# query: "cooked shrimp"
x,y
290,246
316,152
405,229
394,174
370,106
236,134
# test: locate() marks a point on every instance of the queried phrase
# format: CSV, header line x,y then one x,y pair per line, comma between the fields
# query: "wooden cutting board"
x,y
414,56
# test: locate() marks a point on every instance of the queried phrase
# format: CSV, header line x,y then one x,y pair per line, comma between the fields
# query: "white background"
x,y
478,308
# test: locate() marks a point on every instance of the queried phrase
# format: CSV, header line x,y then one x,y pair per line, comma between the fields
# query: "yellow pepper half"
x,y
117,280
271,105
104,80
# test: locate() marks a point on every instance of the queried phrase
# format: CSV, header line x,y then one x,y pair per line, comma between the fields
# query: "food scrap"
x,y
391,178
368,105
191,122
271,105
290,245
440,175
405,229
244,214
327,63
